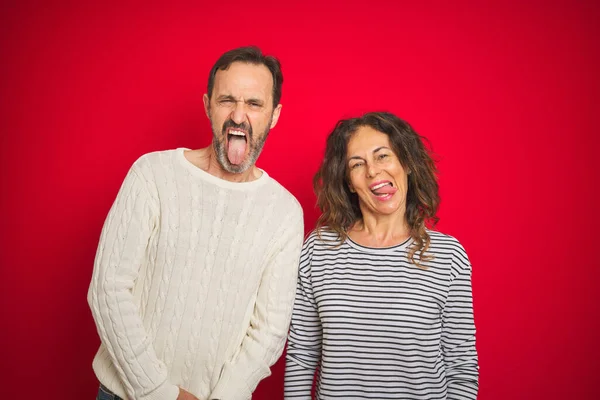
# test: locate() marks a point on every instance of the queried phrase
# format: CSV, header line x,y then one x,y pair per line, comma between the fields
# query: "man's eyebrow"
x,y
255,100
226,97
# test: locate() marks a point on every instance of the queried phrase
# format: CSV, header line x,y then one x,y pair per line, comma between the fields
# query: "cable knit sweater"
x,y
193,281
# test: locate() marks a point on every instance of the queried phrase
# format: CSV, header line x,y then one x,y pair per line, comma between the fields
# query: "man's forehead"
x,y
244,77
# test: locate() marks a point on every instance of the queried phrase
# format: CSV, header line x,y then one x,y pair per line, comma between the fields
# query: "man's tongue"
x,y
236,149
387,189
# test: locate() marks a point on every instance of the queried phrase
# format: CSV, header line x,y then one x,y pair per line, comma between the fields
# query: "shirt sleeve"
x,y
121,251
304,342
458,332
265,338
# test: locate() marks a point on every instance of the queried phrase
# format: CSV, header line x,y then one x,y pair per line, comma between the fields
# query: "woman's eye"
x,y
354,166
382,156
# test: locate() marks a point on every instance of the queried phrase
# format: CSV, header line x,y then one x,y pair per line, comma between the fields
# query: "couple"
x,y
200,265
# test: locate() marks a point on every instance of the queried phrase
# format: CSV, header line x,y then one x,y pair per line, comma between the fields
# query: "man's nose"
x,y
238,115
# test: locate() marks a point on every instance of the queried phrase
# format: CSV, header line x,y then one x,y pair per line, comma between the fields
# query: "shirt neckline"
x,y
200,173
379,250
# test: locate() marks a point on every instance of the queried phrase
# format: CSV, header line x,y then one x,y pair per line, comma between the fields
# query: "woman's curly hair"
x,y
339,206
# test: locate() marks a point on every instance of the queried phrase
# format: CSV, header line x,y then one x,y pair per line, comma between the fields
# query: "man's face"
x,y
241,114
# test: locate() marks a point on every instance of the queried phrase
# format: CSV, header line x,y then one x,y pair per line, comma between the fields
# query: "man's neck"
x,y
206,160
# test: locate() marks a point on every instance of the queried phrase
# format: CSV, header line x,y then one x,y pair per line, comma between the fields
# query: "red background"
x,y
507,93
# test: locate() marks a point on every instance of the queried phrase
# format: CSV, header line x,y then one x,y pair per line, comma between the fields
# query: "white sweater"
x,y
193,281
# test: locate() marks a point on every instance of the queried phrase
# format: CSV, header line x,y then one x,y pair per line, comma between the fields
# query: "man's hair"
x,y
249,55
340,207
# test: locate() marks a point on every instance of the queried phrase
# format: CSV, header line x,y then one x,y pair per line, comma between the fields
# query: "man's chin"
x,y
234,168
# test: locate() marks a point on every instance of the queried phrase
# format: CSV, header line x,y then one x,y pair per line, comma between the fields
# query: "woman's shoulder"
x,y
321,243
446,244
322,236
442,238
444,241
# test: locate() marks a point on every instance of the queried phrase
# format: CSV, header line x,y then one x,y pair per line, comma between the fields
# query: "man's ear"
x,y
275,118
206,102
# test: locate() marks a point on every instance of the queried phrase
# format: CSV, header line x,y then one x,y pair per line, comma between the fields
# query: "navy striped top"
x,y
376,326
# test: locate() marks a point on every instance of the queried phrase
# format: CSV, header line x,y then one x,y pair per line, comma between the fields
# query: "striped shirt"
x,y
379,327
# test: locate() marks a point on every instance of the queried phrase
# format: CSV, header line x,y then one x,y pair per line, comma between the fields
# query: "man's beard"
x,y
254,146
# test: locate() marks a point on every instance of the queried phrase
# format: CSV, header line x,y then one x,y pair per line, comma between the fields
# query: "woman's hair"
x,y
339,206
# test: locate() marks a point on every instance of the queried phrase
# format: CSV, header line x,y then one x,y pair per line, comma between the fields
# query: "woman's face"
x,y
375,173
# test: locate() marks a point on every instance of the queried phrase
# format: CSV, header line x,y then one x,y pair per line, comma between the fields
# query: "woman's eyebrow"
x,y
380,148
355,158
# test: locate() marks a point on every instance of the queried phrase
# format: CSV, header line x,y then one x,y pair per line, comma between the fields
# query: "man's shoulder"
x,y
156,163
150,169
283,196
154,158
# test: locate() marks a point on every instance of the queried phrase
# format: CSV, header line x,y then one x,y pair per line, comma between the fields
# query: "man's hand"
x,y
185,395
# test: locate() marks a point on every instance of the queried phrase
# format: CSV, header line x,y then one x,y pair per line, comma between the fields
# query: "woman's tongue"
x,y
387,189
236,149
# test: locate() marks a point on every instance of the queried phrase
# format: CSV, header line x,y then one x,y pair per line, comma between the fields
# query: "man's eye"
x,y
254,105
226,101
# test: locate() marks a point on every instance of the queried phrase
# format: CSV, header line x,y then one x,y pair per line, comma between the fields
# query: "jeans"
x,y
105,394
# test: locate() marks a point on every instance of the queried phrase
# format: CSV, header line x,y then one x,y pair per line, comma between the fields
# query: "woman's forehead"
x,y
367,139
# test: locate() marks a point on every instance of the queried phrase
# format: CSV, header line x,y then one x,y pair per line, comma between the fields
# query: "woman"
x,y
383,304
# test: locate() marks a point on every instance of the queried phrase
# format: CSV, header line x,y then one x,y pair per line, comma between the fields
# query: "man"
x,y
196,268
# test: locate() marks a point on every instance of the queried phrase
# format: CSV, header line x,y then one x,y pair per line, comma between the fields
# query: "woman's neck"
x,y
380,231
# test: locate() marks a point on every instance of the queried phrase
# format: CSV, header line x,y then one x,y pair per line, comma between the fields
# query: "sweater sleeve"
x,y
121,252
304,342
458,332
265,337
